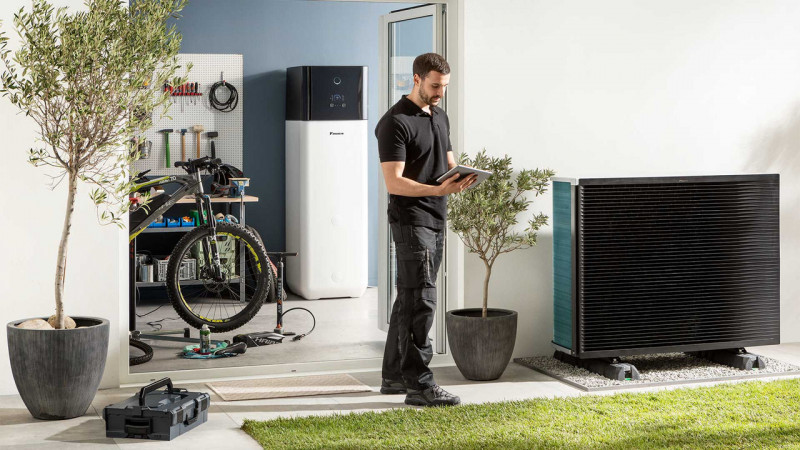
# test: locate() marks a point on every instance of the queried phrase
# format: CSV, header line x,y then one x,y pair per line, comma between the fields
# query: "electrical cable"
x,y
314,325
148,313
229,104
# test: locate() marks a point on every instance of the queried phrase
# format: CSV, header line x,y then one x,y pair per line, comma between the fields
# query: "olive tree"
x,y
485,216
91,81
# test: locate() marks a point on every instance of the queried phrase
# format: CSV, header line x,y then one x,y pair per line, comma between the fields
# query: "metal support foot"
x,y
609,368
734,357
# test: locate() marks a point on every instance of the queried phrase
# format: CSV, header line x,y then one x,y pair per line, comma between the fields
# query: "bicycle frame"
x,y
189,184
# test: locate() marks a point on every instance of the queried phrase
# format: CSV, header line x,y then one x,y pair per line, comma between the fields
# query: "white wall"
x,y
631,88
31,217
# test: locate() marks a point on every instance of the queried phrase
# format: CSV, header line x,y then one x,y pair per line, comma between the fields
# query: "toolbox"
x,y
152,414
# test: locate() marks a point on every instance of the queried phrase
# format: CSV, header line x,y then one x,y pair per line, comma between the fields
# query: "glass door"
x,y
406,34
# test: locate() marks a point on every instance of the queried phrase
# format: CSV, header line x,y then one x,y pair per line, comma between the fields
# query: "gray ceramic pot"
x,y
481,347
57,372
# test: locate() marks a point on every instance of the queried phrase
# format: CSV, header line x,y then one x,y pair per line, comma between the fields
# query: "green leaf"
x,y
485,216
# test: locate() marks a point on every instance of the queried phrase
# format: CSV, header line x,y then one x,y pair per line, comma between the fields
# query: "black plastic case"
x,y
159,415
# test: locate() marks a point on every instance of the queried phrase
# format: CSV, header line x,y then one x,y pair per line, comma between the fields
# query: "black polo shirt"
x,y
407,133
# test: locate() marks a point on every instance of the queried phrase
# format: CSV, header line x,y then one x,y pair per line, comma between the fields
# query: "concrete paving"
x,y
19,430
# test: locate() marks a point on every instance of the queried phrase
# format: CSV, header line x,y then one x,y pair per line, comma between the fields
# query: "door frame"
x,y
439,14
453,267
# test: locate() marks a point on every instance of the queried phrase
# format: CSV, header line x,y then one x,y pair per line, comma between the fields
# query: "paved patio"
x,y
19,430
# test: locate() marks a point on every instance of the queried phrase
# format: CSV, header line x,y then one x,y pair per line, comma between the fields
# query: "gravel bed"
x,y
661,368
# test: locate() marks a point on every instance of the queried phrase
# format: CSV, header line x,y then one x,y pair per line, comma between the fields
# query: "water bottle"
x,y
205,339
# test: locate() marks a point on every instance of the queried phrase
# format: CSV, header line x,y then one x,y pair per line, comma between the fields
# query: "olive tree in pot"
x,y
90,80
484,217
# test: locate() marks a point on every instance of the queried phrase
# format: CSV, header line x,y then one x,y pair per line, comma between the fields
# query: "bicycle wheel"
x,y
223,300
134,360
272,272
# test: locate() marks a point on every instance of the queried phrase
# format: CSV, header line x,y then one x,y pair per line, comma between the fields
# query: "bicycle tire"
x,y
273,279
148,352
210,292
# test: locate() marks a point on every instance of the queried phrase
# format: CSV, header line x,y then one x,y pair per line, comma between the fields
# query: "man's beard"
x,y
430,101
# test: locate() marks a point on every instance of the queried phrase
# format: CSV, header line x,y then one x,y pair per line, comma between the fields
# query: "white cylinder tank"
x,y
326,181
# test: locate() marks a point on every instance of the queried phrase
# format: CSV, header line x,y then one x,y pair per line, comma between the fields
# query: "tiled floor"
x,y
19,430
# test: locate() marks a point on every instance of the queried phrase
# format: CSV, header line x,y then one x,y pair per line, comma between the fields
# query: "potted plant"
x,y
91,81
485,218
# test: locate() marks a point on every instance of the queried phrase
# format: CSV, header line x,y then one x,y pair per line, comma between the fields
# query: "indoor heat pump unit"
x,y
326,180
668,264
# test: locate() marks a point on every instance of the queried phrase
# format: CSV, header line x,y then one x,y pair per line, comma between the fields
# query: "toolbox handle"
x,y
153,386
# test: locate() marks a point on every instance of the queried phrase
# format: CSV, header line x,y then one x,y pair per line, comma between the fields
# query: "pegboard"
x,y
185,112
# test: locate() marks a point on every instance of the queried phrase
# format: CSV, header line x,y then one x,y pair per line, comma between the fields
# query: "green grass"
x,y
744,415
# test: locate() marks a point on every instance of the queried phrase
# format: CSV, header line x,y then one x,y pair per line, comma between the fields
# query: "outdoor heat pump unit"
x,y
326,180
667,264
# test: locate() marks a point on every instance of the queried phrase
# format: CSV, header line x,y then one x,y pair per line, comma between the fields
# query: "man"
x,y
414,146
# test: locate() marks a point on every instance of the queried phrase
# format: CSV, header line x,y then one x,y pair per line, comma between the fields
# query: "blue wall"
x,y
273,35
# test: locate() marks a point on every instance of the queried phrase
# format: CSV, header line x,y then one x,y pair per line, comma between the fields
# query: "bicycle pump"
x,y
279,291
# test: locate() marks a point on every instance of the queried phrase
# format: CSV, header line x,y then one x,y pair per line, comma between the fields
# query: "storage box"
x,y
157,224
187,271
160,415
187,223
172,222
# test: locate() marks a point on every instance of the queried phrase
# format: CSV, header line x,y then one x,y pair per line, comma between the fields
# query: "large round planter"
x,y
57,372
481,347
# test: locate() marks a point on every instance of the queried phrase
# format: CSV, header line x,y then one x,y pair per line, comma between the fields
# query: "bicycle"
x,y
224,255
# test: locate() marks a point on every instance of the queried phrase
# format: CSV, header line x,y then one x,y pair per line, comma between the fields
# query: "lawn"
x,y
743,415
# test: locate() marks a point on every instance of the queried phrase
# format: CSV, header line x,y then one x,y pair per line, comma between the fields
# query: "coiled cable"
x,y
229,104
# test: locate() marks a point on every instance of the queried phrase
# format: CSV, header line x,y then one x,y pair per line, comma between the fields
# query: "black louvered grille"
x,y
678,264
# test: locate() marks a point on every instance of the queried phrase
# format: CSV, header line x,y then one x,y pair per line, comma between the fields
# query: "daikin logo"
x,y
335,133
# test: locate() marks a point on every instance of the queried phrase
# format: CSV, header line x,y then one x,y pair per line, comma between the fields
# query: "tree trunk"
x,y
486,288
61,265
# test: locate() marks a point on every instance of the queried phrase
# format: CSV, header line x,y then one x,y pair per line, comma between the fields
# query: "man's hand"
x,y
451,186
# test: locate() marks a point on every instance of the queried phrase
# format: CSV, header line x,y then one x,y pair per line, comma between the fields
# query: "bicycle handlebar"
x,y
192,165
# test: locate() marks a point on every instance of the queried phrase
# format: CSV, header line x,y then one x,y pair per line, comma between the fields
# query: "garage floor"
x,y
346,329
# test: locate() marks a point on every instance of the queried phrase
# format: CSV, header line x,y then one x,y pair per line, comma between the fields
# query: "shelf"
x,y
168,230
247,199
183,283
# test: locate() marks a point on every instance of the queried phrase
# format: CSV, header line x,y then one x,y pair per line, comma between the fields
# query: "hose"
x,y
229,104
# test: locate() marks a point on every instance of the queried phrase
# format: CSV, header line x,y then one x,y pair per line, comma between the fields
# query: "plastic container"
x,y
160,415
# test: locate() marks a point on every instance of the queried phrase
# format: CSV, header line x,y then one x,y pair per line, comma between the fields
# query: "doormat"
x,y
662,369
341,383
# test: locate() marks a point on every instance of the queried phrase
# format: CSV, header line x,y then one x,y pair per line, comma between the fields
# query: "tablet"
x,y
464,171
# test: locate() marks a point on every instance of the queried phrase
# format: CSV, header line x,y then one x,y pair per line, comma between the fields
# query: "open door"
x,y
404,35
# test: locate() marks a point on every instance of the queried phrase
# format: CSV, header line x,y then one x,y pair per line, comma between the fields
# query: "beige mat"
x,y
287,387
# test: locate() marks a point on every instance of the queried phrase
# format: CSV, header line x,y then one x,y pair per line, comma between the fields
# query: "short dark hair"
x,y
430,61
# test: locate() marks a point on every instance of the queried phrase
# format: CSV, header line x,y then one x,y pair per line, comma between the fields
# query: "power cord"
x,y
229,104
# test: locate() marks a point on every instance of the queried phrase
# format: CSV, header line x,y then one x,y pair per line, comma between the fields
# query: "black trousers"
x,y
408,349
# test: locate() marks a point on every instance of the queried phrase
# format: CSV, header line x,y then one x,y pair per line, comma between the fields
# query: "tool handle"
x,y
213,150
198,144
153,386
168,158
183,147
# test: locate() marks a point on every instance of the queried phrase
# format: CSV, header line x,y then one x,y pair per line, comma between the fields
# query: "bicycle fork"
x,y
210,249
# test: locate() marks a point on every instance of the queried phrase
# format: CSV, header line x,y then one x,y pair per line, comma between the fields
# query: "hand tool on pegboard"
x,y
211,135
183,144
197,130
166,132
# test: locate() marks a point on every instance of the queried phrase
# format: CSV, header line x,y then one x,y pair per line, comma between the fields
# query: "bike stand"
x,y
280,256
737,358
608,367
163,335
